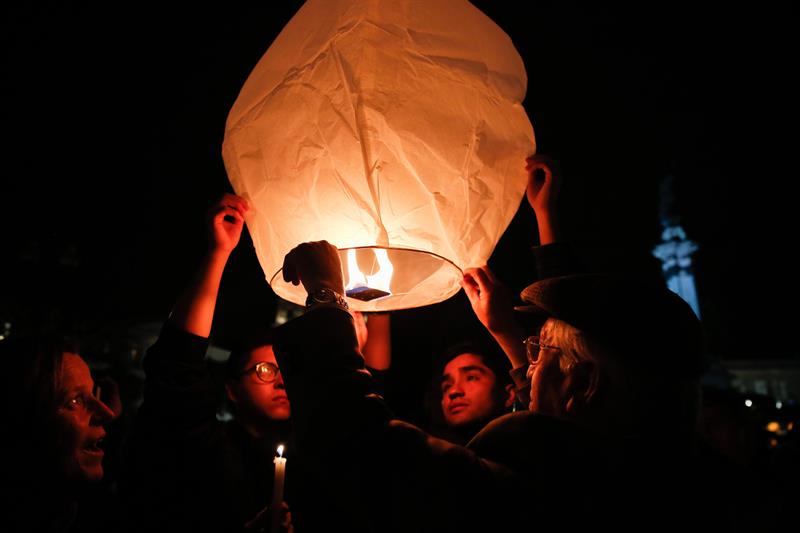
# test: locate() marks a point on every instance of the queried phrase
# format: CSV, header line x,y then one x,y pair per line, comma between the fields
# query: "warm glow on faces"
x,y
253,396
79,419
468,390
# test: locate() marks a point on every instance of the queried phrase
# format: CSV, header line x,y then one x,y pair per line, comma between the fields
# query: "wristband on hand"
x,y
326,296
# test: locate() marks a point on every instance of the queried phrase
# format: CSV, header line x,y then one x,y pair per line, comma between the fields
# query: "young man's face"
x,y
256,397
468,390
79,422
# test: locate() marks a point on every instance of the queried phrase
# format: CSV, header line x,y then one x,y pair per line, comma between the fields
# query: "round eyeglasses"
x,y
533,346
265,371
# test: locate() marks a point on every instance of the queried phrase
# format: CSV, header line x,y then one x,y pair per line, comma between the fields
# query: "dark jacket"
x,y
386,475
523,470
187,470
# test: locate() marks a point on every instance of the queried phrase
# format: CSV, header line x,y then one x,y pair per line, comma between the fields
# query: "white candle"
x,y
280,471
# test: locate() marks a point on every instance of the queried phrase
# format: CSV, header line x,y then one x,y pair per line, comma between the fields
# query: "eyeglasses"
x,y
533,347
265,371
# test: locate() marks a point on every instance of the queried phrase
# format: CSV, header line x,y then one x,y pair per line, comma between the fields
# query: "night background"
x,y
114,117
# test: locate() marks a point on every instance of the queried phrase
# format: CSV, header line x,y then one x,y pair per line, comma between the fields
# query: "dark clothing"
x,y
556,259
392,476
189,471
523,471
461,434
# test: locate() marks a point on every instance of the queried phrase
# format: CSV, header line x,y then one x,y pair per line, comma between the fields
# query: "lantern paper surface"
x,y
390,125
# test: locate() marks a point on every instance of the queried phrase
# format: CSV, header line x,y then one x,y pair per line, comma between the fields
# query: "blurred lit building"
x,y
675,249
777,380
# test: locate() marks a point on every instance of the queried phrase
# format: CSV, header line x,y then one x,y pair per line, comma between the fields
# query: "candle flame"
x,y
280,450
380,280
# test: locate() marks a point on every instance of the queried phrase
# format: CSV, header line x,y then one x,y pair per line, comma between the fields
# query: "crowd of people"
x,y
579,408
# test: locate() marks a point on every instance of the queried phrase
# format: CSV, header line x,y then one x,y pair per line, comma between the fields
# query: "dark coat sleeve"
x,y
180,398
556,259
178,460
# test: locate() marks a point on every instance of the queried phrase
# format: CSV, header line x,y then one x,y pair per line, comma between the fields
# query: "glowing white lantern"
x,y
393,128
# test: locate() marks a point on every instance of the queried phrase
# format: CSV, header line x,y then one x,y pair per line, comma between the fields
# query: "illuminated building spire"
x,y
675,249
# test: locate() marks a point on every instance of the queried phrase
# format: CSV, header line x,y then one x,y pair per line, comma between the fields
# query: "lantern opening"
x,y
386,279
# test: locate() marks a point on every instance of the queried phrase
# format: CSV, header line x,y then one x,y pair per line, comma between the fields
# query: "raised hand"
x,y
194,310
316,265
492,305
544,185
225,222
489,298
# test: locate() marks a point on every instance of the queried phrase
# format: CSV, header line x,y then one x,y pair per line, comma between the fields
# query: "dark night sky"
x,y
114,118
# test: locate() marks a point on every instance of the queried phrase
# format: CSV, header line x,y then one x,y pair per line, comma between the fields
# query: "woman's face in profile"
x,y
79,420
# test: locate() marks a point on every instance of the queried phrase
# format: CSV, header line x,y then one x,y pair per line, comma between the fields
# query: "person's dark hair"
x,y
491,355
241,350
30,383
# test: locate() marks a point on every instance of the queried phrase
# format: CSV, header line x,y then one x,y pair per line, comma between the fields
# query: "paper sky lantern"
x,y
392,129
